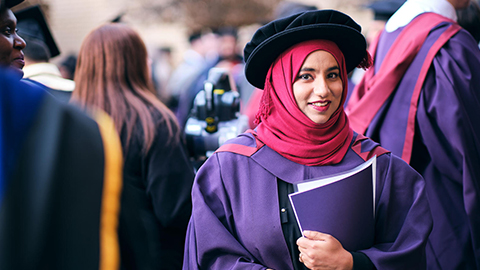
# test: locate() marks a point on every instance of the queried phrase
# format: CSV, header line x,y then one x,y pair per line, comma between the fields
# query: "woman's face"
x,y
318,87
11,45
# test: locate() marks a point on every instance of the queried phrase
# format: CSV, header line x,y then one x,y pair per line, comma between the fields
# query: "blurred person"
x,y
242,217
228,52
210,44
188,70
11,44
419,101
59,192
161,72
382,11
288,8
231,59
469,19
112,74
60,182
67,66
41,47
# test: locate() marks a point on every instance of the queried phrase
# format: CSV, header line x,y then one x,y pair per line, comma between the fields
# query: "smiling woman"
x,y
242,217
11,45
318,87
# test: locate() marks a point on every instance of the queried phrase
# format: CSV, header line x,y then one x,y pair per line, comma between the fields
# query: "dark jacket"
x,y
156,202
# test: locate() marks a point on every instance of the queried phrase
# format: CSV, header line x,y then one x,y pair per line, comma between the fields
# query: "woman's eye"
x,y
304,76
333,75
7,31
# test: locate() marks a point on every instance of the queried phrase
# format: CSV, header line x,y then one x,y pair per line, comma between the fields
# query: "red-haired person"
x,y
112,74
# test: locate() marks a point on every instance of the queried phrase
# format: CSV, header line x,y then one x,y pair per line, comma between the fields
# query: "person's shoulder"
x,y
17,93
26,100
72,119
244,139
366,148
162,118
244,144
459,56
465,40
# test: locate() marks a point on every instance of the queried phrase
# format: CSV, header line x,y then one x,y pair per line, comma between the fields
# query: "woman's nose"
x,y
19,43
321,87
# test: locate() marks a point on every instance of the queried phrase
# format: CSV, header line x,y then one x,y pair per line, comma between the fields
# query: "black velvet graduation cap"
x,y
384,9
33,28
270,40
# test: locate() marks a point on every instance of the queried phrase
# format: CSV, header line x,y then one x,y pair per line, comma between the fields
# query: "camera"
x,y
215,116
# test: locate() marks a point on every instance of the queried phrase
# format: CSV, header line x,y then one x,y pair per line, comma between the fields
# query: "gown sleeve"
x,y
211,242
450,129
403,220
169,177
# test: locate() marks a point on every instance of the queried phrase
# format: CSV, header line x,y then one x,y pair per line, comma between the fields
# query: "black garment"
x,y
291,231
51,214
290,228
156,201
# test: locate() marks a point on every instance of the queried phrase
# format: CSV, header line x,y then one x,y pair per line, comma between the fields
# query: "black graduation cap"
x,y
384,9
33,28
118,18
270,40
12,3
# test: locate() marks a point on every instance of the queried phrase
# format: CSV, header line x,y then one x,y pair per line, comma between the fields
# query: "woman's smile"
x,y
320,106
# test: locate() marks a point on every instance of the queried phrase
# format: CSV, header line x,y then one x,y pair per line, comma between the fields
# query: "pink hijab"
x,y
285,128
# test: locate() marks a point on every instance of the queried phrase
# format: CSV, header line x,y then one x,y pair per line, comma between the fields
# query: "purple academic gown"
x,y
446,147
235,222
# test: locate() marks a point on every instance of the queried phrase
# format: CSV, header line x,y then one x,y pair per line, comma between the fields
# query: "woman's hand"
x,y
323,251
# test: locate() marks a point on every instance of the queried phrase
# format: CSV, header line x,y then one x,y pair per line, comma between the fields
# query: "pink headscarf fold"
x,y
285,128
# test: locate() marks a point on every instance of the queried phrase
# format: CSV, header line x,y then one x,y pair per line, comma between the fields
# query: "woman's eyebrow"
x,y
307,69
333,68
312,69
4,22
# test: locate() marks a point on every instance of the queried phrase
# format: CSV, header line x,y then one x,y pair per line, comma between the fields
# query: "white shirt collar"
x,y
412,8
41,69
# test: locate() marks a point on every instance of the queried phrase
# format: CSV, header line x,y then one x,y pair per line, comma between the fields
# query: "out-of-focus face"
x,y
318,87
211,44
228,46
459,4
11,45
